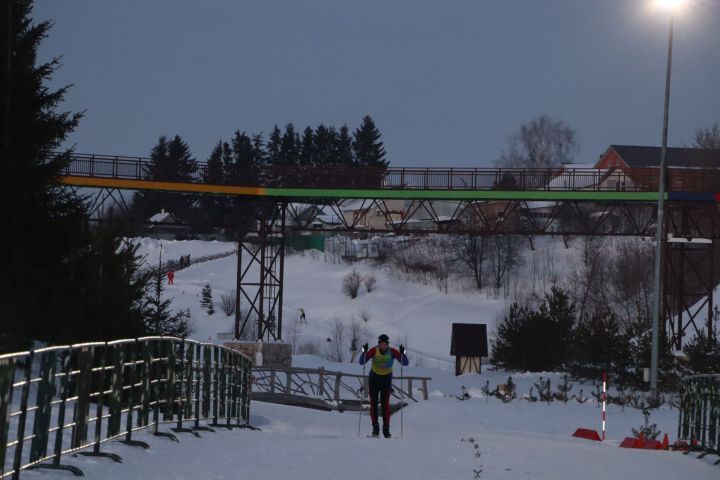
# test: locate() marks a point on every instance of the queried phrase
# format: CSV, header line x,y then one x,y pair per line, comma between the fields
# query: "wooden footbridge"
x,y
329,390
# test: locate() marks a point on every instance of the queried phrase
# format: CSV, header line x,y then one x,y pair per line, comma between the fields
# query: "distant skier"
x,y
171,277
380,379
302,315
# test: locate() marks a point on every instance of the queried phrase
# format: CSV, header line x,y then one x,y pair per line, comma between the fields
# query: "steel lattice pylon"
x,y
260,277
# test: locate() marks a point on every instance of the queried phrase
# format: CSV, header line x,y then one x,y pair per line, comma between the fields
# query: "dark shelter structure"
x,y
468,344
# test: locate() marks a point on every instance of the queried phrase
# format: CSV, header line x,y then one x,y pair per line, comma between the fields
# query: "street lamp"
x,y
671,6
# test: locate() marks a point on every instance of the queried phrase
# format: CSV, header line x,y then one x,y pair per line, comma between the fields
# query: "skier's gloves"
x,y
402,350
365,348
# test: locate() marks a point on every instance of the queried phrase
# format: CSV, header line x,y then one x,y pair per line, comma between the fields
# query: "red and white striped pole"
x,y
604,396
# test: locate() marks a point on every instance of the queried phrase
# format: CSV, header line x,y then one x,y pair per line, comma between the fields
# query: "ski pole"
x,y
362,381
401,394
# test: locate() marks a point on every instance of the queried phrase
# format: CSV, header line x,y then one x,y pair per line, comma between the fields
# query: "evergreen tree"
x,y
307,148
213,208
326,146
111,289
159,320
560,311
183,165
43,227
368,149
344,148
214,173
289,146
60,280
206,301
273,147
703,352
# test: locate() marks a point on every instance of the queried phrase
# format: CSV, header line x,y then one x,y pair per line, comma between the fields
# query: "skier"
x,y
302,315
380,379
171,277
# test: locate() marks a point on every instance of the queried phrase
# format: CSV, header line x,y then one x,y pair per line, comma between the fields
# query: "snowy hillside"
x,y
443,437
418,315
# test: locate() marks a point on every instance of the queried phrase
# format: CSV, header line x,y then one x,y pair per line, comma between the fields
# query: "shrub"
x,y
351,284
370,282
227,302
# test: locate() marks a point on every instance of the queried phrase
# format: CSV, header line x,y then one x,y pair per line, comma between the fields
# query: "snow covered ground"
x,y
514,440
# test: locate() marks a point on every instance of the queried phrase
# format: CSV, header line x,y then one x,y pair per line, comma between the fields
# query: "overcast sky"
x,y
447,82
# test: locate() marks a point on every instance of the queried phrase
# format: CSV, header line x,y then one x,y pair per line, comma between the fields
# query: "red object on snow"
x,y
629,442
586,433
171,276
640,442
652,445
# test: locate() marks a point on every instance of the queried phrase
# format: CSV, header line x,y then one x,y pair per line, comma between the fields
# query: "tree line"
x,y
240,161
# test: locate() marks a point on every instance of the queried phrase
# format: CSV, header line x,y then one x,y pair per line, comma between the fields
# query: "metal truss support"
x,y
691,270
501,217
105,197
260,272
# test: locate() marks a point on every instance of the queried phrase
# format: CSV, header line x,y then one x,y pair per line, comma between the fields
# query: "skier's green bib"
x,y
382,362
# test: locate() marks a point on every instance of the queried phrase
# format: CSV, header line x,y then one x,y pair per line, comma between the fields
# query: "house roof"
x,y
637,156
162,217
469,340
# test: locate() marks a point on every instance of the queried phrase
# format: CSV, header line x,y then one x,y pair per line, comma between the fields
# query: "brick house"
x,y
639,164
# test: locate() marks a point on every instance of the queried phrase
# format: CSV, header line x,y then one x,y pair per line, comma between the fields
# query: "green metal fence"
x,y
73,399
700,412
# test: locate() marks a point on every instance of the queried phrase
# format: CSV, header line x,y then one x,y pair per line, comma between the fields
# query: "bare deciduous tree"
x,y
708,138
542,143
505,255
336,342
472,251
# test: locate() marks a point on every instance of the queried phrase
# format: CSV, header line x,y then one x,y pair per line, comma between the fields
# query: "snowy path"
x,y
516,440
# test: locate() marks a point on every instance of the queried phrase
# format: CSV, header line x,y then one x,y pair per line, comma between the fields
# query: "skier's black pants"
x,y
380,388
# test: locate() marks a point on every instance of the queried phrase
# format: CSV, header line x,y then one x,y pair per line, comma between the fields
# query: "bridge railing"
x,y
335,388
60,400
699,422
520,179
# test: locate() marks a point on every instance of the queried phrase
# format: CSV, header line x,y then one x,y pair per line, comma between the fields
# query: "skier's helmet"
x,y
383,338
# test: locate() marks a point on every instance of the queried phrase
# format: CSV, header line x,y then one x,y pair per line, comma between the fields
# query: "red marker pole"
x,y
604,397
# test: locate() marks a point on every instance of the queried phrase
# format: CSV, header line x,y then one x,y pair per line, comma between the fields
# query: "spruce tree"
x,y
326,146
344,148
273,147
159,319
368,149
289,146
212,207
307,148
206,301
60,280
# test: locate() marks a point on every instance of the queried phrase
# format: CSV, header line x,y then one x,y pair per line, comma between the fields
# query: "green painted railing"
x,y
72,399
700,412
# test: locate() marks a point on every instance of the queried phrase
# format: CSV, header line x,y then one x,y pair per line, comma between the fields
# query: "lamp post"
x,y
671,6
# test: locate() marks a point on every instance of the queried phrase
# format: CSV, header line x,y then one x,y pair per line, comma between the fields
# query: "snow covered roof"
x,y
570,178
163,217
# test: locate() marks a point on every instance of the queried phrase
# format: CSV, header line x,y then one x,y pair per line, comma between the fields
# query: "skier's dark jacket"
x,y
382,363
